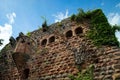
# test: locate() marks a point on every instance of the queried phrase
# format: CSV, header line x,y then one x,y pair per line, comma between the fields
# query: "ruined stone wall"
x,y
58,52
54,57
108,66
55,61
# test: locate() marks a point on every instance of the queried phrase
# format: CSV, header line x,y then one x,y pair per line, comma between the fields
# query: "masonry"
x,y
53,53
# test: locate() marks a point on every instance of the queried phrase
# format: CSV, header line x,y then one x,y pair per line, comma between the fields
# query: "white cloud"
x,y
118,35
114,18
60,16
6,29
11,17
118,5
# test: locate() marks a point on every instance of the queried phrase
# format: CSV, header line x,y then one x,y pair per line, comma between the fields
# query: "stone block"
x,y
97,73
117,66
117,54
117,58
117,70
110,72
108,77
61,72
102,73
109,67
116,76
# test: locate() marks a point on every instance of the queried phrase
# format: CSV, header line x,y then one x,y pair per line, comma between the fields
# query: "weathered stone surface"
x,y
117,66
116,76
56,53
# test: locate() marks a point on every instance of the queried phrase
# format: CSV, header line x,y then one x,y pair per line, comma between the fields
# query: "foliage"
x,y
44,24
116,27
59,24
28,34
6,48
101,32
1,42
84,75
73,17
80,16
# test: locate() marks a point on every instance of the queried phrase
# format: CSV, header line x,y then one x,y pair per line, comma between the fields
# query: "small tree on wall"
x,y
44,24
1,42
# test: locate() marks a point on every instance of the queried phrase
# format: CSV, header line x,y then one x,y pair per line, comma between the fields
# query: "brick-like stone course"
x,y
108,64
60,58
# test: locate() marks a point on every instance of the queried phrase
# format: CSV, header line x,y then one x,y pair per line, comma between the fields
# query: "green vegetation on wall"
x,y
1,42
84,75
101,32
6,48
28,34
44,24
59,24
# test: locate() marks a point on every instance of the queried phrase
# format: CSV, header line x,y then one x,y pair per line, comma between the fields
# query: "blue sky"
x,y
25,15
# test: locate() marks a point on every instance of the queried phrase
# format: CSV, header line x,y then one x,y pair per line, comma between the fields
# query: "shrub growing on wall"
x,y
1,42
28,34
84,75
101,32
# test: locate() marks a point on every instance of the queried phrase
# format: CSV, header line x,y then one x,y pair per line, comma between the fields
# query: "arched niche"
x,y
69,34
44,42
52,39
78,30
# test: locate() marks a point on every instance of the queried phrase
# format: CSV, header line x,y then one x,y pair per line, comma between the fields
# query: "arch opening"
x,y
78,30
51,39
69,34
26,73
44,42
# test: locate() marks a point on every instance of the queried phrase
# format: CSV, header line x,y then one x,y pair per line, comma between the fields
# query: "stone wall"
x,y
54,57
57,53
108,66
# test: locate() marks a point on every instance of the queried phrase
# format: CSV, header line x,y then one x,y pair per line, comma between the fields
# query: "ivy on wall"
x,y
101,32
84,75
